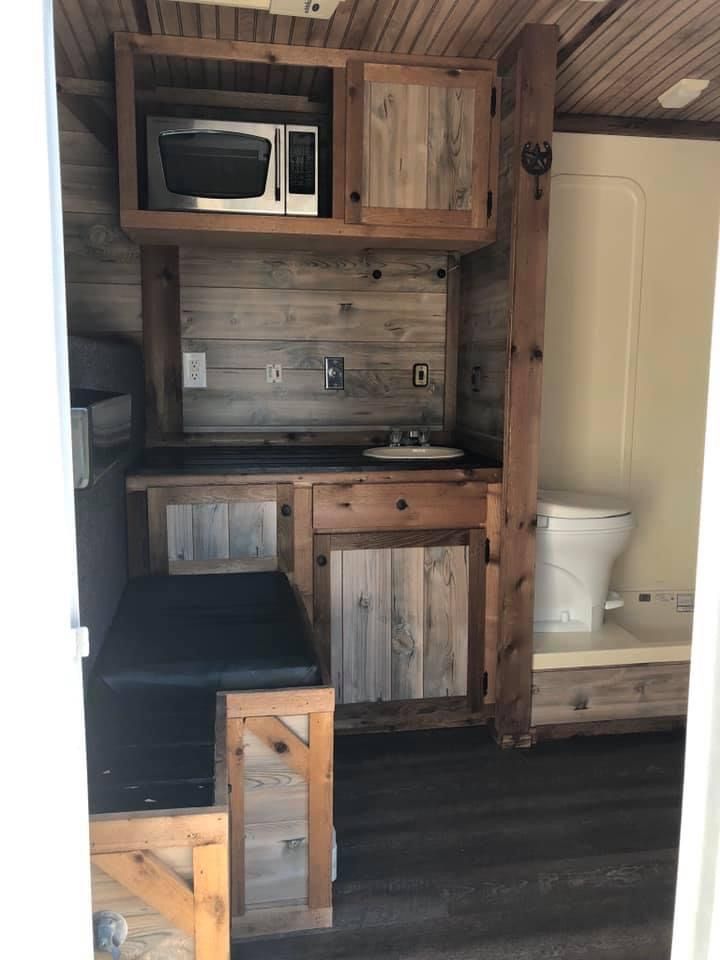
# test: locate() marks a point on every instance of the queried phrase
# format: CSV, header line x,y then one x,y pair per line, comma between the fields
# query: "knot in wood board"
x,y
279,746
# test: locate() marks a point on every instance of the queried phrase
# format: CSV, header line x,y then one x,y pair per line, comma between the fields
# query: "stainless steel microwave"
x,y
232,167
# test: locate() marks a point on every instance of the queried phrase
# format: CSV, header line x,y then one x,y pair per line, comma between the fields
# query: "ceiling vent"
x,y
317,9
682,93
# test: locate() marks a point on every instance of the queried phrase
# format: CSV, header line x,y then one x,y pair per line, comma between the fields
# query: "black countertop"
x,y
287,459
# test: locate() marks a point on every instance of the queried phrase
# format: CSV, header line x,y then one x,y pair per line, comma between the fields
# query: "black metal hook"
x,y
537,161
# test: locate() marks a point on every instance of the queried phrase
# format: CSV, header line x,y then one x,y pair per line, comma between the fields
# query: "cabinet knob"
x,y
355,196
322,560
402,504
377,274
286,510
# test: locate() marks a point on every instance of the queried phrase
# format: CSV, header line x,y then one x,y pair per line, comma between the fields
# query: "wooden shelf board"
x,y
177,228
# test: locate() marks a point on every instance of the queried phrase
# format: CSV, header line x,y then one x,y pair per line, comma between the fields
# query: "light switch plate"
x,y
194,371
273,372
334,373
421,374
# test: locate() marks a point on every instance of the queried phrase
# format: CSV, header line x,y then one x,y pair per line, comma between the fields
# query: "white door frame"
x,y
46,910
696,933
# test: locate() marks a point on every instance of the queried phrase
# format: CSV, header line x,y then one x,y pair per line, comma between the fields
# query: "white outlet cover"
x,y
194,371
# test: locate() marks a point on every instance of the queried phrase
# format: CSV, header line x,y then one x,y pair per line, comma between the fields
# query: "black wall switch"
x,y
334,373
421,375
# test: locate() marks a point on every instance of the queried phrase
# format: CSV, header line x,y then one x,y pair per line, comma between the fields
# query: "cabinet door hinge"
x,y
489,204
485,684
487,551
493,101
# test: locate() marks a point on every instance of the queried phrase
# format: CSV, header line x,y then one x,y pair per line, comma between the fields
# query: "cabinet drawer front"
x,y
609,693
344,507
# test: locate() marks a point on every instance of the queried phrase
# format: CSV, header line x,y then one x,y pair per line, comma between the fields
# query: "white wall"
x,y
633,234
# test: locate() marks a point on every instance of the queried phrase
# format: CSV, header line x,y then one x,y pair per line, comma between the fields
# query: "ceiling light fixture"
x,y
316,9
682,93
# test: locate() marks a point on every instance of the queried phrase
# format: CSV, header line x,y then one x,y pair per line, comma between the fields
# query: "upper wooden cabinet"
x,y
412,143
418,146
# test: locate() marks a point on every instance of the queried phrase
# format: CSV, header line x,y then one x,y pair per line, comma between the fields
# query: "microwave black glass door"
x,y
215,164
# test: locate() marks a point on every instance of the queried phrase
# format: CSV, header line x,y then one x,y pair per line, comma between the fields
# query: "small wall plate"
x,y
334,373
421,374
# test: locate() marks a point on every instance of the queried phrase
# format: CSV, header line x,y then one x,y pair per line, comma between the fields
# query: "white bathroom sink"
x,y
413,453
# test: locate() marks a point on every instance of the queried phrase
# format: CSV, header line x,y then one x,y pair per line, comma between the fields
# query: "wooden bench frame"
x,y
128,848
262,713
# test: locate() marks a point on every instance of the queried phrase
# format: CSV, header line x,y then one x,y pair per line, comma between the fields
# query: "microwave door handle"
x,y
278,185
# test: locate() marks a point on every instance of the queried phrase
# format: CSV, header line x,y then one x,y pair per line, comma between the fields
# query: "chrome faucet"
x,y
415,436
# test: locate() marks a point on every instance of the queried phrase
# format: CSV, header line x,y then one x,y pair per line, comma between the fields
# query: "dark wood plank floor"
x,y
452,849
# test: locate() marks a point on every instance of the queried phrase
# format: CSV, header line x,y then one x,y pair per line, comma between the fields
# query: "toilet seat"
x,y
566,505
581,512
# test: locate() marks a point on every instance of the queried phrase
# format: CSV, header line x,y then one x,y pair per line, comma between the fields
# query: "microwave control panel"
x,y
302,148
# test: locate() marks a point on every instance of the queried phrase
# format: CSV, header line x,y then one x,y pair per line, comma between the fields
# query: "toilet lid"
x,y
566,505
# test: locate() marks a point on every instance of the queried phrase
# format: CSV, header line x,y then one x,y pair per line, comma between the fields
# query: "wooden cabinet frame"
x,y
357,145
157,227
411,714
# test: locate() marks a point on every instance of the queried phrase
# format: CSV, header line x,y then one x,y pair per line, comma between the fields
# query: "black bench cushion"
x,y
204,633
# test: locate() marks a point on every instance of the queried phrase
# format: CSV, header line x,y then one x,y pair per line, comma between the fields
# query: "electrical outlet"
x,y
334,373
194,371
273,373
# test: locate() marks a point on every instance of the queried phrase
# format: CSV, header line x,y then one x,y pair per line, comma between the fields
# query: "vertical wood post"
x,y
235,746
320,810
160,274
211,902
528,65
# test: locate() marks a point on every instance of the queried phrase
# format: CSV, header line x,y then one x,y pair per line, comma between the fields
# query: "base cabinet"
x,y
401,615
399,623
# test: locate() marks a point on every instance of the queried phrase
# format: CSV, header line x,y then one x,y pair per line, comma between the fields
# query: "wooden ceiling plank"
x,y
208,28
85,25
189,21
547,14
170,26
503,29
396,22
376,24
101,34
358,25
161,68
432,25
62,61
635,126
470,27
339,23
640,99
136,10
617,35
299,32
226,31
114,16
448,30
75,51
282,31
605,13
425,13
311,81
706,107
639,63
263,33
614,54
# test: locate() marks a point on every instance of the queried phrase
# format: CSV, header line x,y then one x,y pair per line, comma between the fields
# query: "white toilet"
x,y
579,537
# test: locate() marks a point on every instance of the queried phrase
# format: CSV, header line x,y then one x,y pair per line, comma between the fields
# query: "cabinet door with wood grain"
x,y
419,142
403,620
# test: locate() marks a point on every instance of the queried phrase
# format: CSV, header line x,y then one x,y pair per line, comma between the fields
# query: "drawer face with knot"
x,y
347,507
